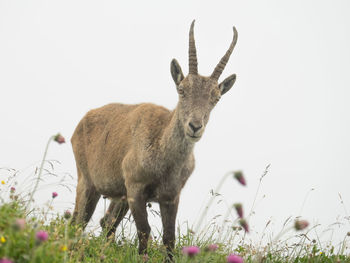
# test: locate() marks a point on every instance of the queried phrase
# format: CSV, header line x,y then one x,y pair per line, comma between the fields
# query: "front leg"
x,y
137,205
168,210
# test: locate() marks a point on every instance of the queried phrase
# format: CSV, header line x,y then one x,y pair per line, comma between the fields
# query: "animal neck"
x,y
174,142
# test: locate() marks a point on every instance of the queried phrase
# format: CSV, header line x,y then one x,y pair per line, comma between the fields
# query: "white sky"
x,y
289,106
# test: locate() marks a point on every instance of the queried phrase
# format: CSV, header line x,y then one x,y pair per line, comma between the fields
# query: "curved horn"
x,y
220,67
192,53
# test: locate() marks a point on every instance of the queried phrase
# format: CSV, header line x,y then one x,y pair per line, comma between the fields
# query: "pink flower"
x,y
59,138
67,214
19,224
54,194
244,224
41,235
12,189
239,176
239,209
5,260
300,224
212,247
190,251
232,258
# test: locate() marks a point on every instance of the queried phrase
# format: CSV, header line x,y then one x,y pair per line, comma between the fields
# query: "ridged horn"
x,y
221,66
192,53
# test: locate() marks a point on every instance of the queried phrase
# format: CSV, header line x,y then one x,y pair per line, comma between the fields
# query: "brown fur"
x,y
134,154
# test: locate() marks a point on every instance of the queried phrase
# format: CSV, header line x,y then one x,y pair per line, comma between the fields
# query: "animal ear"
x,y
176,72
227,84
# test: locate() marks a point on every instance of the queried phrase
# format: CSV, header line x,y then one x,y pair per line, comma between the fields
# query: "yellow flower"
x,y
2,239
2,182
64,248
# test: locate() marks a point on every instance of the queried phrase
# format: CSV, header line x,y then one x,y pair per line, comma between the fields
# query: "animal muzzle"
x,y
195,129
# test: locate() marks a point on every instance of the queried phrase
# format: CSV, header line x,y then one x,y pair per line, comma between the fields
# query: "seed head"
x,y
19,224
59,139
244,224
239,209
67,214
239,177
212,247
300,224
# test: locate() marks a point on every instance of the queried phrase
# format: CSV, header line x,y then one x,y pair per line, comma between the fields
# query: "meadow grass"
x,y
32,234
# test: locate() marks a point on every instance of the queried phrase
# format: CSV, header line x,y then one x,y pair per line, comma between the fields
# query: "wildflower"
x,y
41,235
2,182
54,194
20,224
244,224
301,224
5,260
239,177
239,209
212,247
12,190
67,214
2,239
190,251
64,248
233,258
59,139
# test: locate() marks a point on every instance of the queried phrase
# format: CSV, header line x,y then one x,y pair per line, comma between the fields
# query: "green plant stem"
x,y
205,211
40,173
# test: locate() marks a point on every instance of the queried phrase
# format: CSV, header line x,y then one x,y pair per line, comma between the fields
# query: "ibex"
x,y
134,154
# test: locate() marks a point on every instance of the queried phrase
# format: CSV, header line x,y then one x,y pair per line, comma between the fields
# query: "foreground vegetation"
x,y
35,235
29,239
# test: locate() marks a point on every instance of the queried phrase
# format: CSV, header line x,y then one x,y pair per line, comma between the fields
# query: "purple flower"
x,y
239,209
54,194
41,235
239,177
67,214
212,247
190,251
301,224
232,258
5,260
20,224
59,138
244,224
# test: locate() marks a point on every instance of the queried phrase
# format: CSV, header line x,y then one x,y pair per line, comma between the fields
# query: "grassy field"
x,y
32,234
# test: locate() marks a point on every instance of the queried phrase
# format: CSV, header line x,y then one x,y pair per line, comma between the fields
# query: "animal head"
x,y
199,94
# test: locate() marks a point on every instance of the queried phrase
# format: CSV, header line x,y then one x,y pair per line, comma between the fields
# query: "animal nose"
x,y
195,127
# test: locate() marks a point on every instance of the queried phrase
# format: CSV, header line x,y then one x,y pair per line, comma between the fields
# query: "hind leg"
x,y
86,201
114,215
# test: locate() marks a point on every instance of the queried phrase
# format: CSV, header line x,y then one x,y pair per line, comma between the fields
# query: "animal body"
x,y
135,154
